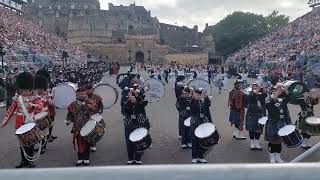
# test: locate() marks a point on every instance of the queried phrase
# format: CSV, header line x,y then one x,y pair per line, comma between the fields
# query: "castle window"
x,y
119,40
72,6
86,6
130,27
59,6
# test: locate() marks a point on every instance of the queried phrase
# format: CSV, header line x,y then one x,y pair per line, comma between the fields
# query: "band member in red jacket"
x,y
24,82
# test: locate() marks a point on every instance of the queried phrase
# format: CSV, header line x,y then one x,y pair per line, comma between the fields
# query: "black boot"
x,y
21,165
31,165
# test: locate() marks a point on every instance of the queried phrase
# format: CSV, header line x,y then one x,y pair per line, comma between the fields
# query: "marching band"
x,y
262,108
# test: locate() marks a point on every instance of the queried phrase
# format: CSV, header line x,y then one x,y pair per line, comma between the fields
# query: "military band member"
x,y
79,113
179,86
277,118
307,110
24,83
255,102
199,115
183,107
237,110
135,117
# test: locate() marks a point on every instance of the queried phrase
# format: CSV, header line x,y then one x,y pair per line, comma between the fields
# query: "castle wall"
x,y
188,58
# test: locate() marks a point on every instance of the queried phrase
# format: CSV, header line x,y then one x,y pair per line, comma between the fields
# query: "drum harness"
x,y
29,120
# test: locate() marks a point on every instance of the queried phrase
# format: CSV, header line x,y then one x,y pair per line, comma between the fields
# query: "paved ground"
x,y
166,147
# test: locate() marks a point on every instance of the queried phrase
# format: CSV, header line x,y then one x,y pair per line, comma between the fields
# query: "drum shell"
x,y
293,140
313,130
210,141
294,96
30,138
43,123
96,134
143,144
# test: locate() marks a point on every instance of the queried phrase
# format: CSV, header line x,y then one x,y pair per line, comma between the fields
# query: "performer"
x,y
79,114
135,117
179,86
307,110
183,107
277,118
237,111
24,83
199,115
255,102
97,107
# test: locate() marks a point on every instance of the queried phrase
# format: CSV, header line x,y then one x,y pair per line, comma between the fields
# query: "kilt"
x,y
252,122
234,117
271,131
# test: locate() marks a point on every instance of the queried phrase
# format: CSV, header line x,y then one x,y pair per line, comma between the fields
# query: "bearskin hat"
x,y
44,73
24,80
40,82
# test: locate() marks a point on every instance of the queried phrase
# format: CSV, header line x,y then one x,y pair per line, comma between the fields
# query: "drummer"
x,y
24,82
179,86
199,115
307,110
277,118
135,117
255,102
79,113
183,107
97,107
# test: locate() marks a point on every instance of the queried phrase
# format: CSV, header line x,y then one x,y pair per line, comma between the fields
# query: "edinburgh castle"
x,y
123,33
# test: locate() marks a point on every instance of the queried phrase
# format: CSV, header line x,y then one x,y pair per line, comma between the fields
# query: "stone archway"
x,y
140,57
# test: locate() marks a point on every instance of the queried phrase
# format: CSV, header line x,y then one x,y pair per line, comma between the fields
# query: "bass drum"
x,y
108,94
296,90
201,83
155,91
64,94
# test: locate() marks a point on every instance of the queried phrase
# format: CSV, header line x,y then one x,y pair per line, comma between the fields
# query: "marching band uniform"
x,y
183,107
307,110
135,117
79,114
24,82
199,115
277,118
255,102
237,111
179,86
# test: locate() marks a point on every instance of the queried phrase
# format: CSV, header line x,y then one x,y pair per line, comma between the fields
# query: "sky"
x,y
199,12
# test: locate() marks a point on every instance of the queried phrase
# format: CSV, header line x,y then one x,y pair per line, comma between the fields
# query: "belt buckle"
x,y
201,115
188,108
281,116
133,117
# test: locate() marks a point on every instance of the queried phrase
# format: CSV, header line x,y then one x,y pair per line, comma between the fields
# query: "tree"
x,y
240,29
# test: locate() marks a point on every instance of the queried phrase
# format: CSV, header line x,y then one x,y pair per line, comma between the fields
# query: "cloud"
x,y
200,12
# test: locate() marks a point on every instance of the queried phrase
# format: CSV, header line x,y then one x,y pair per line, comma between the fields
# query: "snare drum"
x,y
141,139
291,136
42,120
64,94
187,122
92,131
207,134
29,134
312,126
99,119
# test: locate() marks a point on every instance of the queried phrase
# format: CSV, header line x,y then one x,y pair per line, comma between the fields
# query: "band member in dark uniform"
x,y
183,107
79,113
255,102
199,115
179,86
237,110
24,83
277,118
307,110
135,117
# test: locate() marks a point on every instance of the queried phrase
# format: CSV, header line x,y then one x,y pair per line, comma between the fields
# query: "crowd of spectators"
x,y
300,37
19,35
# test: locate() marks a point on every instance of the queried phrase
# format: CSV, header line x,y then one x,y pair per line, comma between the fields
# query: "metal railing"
x,y
289,171
315,150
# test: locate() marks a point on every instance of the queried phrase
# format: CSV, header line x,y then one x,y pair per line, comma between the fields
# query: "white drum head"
x,y
64,95
263,120
96,117
25,128
286,130
138,134
187,122
200,83
155,91
40,115
108,94
87,128
205,130
313,121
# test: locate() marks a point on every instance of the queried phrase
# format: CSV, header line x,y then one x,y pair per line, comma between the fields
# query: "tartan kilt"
x,y
252,122
234,117
271,131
